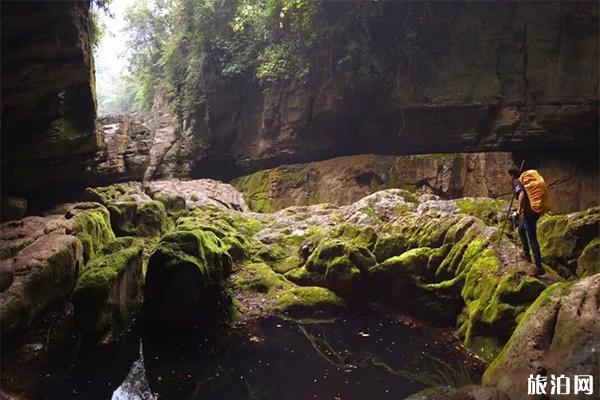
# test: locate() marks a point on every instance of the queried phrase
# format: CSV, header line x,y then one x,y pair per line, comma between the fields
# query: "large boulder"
x,y
196,193
338,264
110,287
258,290
559,334
41,257
40,275
588,263
185,277
138,218
563,237
124,191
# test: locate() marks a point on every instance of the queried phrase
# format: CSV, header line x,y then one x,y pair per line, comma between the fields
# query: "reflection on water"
x,y
365,356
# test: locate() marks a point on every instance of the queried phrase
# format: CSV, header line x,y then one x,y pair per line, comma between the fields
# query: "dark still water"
x,y
359,356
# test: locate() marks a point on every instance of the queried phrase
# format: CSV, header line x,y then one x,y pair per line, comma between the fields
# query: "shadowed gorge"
x,y
291,199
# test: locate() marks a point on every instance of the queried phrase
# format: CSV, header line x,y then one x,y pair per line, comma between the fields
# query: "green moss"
x,y
94,230
342,264
258,277
494,301
185,275
588,263
563,237
369,212
486,347
133,218
257,186
303,300
174,205
488,210
93,310
234,229
365,237
281,295
412,264
115,192
544,298
390,246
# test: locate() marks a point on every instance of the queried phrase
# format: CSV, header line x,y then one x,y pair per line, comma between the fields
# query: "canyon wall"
x,y
344,180
517,76
505,77
48,95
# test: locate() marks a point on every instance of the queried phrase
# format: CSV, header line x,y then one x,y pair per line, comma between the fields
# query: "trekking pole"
x,y
509,208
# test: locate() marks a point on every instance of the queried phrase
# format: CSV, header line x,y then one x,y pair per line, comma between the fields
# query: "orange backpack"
x,y
536,190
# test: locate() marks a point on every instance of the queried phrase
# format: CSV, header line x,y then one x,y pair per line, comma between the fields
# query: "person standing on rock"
x,y
528,222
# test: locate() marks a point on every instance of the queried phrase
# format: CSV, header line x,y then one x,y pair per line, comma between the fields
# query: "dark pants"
x,y
528,233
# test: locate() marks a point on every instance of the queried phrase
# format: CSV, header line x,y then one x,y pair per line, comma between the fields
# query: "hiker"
x,y
528,221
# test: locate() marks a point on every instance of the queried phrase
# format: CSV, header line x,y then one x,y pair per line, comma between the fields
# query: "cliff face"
x,y
485,77
48,99
513,77
572,185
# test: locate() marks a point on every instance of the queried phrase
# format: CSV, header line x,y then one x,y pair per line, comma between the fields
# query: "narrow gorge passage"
x,y
299,199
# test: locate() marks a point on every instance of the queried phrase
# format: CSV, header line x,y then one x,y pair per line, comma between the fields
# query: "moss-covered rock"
x,y
439,264
403,281
260,188
93,227
337,264
260,290
491,211
108,292
185,277
563,237
234,229
126,191
588,263
558,334
389,246
138,218
309,301
174,204
42,274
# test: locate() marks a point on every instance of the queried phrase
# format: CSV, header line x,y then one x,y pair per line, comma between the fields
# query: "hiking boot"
x,y
525,256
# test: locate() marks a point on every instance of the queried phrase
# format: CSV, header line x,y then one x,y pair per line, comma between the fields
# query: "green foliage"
x,y
187,49
97,28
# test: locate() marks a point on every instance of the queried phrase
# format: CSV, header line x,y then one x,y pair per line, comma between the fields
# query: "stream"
x,y
361,355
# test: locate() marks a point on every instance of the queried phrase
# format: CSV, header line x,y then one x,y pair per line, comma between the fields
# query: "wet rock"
x,y
337,264
260,290
559,334
126,191
563,237
109,290
196,194
43,273
589,262
41,257
344,180
48,101
138,218
125,149
185,277
491,211
383,205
